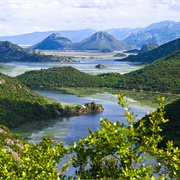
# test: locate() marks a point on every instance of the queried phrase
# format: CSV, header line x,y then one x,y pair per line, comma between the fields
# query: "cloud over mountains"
x,y
18,17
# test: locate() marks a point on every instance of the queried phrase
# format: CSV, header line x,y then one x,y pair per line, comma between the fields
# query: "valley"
x,y
61,93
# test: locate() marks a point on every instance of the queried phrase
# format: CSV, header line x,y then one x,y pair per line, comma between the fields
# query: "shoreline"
x,y
83,54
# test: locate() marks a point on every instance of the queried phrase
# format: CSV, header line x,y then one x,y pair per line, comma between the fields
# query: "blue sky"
x,y
24,16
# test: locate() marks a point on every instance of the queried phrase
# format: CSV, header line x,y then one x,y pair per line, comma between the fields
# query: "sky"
x,y
25,16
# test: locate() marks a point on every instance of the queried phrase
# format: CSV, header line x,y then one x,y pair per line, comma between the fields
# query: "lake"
x,y
70,129
86,65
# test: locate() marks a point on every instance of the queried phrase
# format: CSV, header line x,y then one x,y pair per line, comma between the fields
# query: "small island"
x,y
100,66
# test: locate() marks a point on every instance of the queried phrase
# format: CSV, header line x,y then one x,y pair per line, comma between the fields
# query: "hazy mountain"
x,y
12,52
100,41
158,33
148,47
122,33
53,42
160,25
36,37
145,48
156,53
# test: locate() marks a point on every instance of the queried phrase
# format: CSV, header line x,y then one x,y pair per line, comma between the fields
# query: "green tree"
x,y
117,151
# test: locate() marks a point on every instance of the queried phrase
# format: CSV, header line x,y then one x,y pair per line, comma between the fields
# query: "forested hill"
x,y
18,105
12,52
156,53
162,75
170,129
59,77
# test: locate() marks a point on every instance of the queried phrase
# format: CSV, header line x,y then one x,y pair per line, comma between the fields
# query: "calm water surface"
x,y
71,129
87,66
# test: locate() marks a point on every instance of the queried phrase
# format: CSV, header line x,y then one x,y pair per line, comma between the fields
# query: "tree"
x,y
117,151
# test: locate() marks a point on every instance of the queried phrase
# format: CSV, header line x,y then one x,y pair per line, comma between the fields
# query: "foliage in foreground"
x,y
115,151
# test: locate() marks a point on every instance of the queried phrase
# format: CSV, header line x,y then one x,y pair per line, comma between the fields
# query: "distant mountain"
x,y
122,33
12,52
53,42
145,48
158,33
100,41
160,25
156,53
148,47
36,37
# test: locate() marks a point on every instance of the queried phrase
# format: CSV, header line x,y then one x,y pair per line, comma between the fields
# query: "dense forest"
x,y
59,77
170,129
162,75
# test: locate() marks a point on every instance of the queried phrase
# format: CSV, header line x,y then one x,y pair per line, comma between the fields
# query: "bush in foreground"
x,y
115,151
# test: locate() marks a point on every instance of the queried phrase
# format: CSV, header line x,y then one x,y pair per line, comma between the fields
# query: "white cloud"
x,y
22,16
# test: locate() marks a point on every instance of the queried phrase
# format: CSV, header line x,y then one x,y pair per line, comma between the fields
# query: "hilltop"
x,y
156,53
145,48
102,41
13,52
59,77
53,42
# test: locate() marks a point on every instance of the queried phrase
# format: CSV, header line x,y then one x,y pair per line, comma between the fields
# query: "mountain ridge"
x,y
78,35
13,52
101,41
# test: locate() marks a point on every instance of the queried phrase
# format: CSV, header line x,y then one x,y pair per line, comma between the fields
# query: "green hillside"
x,y
59,77
156,53
162,75
19,105
171,128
